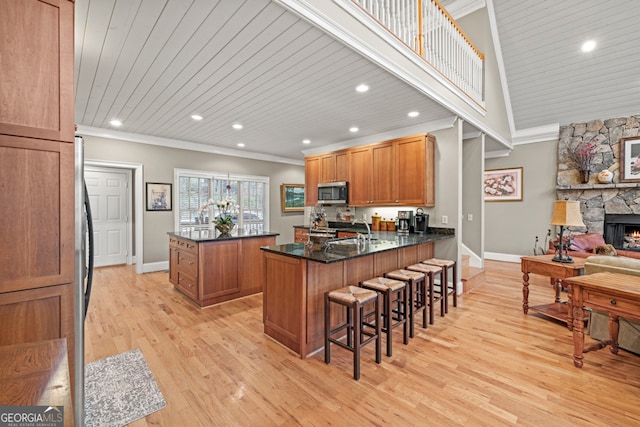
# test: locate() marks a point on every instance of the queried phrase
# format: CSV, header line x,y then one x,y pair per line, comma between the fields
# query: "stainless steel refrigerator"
x,y
83,274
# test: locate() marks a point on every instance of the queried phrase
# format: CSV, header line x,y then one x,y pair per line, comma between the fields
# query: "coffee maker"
x,y
404,221
421,222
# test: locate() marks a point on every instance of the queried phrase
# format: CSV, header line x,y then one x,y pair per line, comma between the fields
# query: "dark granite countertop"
x,y
207,235
382,241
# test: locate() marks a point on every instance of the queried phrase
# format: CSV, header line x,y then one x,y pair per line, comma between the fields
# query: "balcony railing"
x,y
428,29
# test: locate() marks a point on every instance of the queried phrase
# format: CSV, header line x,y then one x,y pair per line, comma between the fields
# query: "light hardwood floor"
x,y
484,364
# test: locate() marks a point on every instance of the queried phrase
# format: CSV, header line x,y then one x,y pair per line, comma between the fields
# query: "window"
x,y
197,188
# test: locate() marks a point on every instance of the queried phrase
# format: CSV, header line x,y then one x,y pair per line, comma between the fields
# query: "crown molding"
x,y
183,145
536,134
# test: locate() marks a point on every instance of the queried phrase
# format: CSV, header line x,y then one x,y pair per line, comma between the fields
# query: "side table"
x,y
556,271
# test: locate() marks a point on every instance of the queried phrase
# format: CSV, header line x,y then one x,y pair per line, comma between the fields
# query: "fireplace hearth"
x,y
622,231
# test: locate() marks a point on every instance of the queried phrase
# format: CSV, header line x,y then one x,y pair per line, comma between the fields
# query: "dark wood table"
x,y
557,272
617,294
36,374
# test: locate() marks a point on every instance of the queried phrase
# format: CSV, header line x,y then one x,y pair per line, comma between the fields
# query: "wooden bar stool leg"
x,y
444,287
412,289
455,285
431,277
358,340
327,327
378,330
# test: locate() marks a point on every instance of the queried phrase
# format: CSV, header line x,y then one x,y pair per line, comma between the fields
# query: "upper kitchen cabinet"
x,y
415,168
334,166
311,179
36,41
399,172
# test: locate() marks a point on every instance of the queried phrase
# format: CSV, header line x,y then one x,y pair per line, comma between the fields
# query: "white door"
x,y
108,195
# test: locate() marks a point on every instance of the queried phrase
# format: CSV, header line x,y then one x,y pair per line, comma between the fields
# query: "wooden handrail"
x,y
455,24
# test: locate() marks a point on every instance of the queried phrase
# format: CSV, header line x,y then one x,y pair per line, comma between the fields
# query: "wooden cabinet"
x,y
399,172
210,272
300,234
36,44
37,168
360,176
342,234
334,166
311,179
415,170
183,265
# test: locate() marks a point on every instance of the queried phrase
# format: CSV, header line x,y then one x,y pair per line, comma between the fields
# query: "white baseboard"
x,y
502,257
155,266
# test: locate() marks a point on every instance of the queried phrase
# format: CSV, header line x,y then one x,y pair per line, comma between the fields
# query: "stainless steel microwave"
x,y
333,193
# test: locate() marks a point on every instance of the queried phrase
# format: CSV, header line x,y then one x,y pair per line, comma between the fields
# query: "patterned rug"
x,y
120,389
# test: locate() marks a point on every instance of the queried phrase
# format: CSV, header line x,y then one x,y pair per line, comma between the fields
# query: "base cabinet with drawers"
x,y
217,270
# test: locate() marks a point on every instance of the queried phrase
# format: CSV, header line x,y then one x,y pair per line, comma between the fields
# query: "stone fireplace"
x,y
598,200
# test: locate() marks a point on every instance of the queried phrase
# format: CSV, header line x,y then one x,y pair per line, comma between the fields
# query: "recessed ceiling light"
x,y
588,46
115,122
413,114
306,141
362,88
196,117
240,144
353,129
237,126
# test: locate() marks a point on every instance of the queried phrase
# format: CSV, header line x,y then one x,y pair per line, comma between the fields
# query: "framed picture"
x,y
292,197
158,196
630,159
503,185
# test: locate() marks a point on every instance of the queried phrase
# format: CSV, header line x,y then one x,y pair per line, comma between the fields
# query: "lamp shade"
x,y
567,213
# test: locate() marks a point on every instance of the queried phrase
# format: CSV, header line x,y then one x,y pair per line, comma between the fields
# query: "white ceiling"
x,y
154,63
549,79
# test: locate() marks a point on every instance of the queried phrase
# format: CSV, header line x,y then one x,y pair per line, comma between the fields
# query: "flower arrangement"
x,y
583,155
227,208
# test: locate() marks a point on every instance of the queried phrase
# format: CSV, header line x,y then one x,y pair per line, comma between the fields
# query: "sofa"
x,y
585,245
629,334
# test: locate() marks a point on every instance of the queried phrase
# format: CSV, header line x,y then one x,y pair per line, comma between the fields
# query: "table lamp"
x,y
566,213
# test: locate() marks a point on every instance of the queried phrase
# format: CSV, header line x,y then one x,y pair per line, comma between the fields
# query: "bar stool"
x,y
417,294
394,292
354,299
446,264
430,272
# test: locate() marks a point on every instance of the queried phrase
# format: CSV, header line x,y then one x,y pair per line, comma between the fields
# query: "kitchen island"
x,y
298,275
210,268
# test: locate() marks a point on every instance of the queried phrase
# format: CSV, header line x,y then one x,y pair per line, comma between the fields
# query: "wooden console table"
x,y
617,294
36,374
557,272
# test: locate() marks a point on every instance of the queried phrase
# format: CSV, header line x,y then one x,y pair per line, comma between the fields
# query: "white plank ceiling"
x,y
549,79
154,63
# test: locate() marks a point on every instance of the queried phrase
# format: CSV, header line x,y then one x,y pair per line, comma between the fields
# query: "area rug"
x,y
119,390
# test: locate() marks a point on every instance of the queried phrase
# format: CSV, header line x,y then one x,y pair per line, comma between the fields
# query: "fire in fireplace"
x,y
622,231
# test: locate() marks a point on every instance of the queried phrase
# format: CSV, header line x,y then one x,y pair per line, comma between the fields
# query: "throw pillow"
x,y
605,250
586,242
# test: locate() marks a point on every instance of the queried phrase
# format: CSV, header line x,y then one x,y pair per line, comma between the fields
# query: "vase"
x,y
225,229
584,177
605,177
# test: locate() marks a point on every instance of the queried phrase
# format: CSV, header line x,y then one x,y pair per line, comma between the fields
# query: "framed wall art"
x,y
158,196
503,185
292,197
630,159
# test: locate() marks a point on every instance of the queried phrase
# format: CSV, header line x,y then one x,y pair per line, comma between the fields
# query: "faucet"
x,y
366,224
